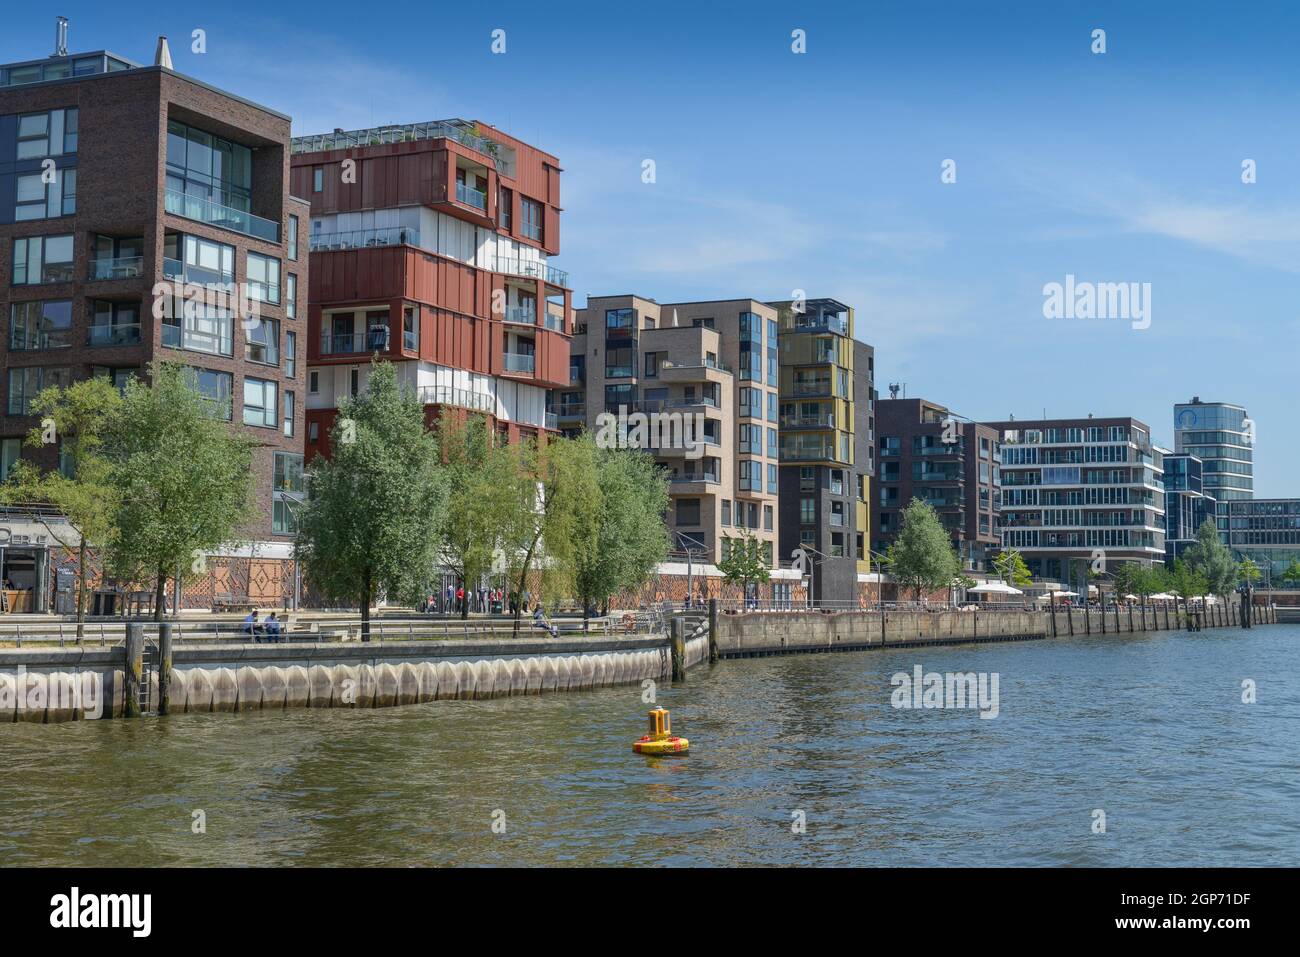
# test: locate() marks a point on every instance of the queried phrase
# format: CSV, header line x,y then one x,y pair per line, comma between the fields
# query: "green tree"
x,y
477,515
77,417
374,509
1248,572
744,561
629,538
1011,568
1292,572
1125,579
1185,582
922,557
181,478
556,481
1212,559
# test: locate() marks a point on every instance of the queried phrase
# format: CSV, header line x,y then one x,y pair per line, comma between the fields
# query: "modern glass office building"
x,y
1222,436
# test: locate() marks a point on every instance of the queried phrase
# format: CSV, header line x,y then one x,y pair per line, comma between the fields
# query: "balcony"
x,y
461,398
521,315
808,322
514,362
125,267
553,322
552,421
471,196
530,269
348,343
710,478
573,410
365,238
225,217
123,334
826,421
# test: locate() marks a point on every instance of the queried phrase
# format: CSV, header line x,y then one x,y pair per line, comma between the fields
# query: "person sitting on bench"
x,y
251,627
539,620
272,626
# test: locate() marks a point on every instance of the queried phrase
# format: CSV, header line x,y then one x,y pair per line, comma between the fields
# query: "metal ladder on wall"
x,y
149,666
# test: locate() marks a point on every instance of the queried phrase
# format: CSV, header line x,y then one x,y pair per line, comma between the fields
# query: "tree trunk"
x,y
464,605
81,591
365,609
523,579
160,594
586,603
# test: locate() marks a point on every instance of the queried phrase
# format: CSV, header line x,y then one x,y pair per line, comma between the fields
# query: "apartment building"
x,y
1187,505
1265,531
826,388
1222,436
1081,491
430,247
715,362
926,451
116,176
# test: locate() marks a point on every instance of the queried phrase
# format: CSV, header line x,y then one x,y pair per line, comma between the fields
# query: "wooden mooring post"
x,y
165,632
677,633
134,668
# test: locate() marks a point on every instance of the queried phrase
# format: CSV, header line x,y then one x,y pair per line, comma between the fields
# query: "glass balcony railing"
x,y
521,315
462,398
572,410
709,477
342,344
552,420
365,238
553,322
471,196
531,269
214,214
519,363
123,334
124,267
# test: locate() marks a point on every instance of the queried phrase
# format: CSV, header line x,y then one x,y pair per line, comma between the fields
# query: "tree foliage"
x,y
180,476
629,537
1211,559
922,557
744,561
1011,568
374,510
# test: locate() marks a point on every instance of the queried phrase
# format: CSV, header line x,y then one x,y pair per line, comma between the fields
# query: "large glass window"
x,y
620,363
47,134
291,296
26,384
260,403
37,199
263,278
42,324
288,413
262,341
287,490
189,325
208,167
204,262
40,259
291,355
216,387
531,213
114,323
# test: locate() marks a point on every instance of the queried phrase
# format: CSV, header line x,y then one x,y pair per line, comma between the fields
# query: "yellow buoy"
x,y
661,739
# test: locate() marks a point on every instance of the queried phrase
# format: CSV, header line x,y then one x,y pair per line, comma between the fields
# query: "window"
x,y
114,324
837,513
26,384
189,325
262,341
807,478
410,330
726,511
807,510
291,296
532,218
620,362
216,387
837,544
771,478
287,490
47,134
40,259
288,413
263,278
208,168
291,355
10,452
198,260
652,365
767,518
259,403
317,179
505,208
42,324
37,199
688,511
293,238
118,375
313,383
619,319
313,431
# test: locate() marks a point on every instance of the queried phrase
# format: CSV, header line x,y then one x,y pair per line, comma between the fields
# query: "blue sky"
x,y
820,171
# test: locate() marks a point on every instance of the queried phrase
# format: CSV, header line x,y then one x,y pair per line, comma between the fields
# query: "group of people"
x,y
268,630
487,601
